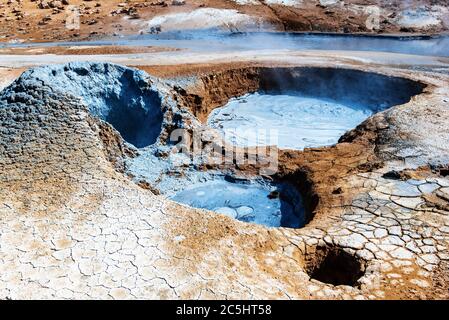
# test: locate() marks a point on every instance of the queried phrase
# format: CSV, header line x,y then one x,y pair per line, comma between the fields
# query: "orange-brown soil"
x,y
84,50
25,20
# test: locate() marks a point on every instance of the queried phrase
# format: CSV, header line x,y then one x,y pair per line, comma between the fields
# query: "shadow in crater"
x,y
333,265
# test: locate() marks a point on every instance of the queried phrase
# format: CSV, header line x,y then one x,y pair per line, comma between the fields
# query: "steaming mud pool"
x,y
296,121
248,201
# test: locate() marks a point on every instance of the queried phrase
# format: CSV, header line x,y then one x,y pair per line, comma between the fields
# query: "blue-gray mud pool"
x,y
295,121
272,205
307,107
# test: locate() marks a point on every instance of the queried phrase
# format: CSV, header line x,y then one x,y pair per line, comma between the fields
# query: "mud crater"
x,y
335,266
121,96
310,107
255,201
307,107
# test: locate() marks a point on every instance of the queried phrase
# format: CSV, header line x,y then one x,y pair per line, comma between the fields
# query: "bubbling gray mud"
x,y
115,94
297,122
249,201
254,201
299,108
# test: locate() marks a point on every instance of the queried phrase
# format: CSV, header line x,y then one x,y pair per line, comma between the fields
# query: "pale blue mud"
x,y
249,201
295,121
308,107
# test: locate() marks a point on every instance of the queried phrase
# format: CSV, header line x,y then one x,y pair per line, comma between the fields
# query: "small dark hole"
x,y
337,191
393,175
335,266
444,172
273,195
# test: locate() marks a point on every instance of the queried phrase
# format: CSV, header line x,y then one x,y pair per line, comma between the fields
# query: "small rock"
x,y
227,212
244,211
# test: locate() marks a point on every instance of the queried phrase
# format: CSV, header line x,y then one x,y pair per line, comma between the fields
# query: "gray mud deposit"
x,y
115,94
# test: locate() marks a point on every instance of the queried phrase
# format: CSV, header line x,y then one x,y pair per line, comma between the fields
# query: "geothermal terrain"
x,y
224,149
43,20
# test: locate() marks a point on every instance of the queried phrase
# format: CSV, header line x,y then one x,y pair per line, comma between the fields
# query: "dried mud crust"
x,y
73,226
